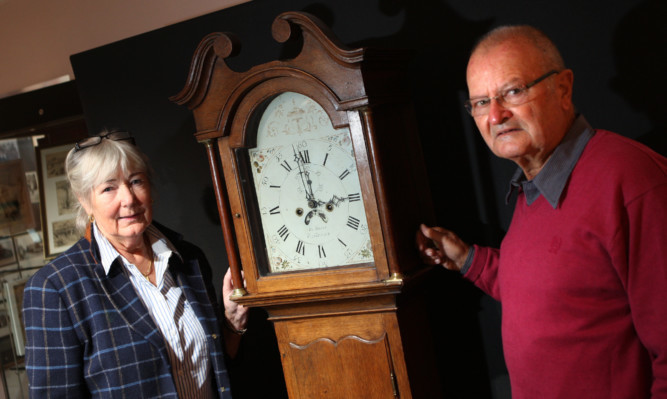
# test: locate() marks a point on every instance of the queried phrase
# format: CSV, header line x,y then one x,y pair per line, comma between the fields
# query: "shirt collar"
x,y
109,254
551,180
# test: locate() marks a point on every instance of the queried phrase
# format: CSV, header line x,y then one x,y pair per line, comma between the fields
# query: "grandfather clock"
x,y
321,186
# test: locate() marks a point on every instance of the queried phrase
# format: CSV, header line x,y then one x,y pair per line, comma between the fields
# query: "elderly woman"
x,y
125,312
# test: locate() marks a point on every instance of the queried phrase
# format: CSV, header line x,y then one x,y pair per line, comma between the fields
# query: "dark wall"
x,y
615,47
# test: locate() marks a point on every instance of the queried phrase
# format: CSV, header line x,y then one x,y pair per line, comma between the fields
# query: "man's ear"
x,y
564,86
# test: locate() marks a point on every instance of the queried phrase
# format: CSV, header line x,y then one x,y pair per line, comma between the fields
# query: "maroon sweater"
x,y
583,287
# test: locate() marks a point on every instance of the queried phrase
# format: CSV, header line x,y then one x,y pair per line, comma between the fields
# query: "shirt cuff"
x,y
468,262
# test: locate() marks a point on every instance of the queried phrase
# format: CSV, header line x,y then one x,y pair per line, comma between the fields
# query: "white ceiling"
x,y
37,37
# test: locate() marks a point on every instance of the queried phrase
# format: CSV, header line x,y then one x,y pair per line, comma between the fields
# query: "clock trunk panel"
x,y
356,350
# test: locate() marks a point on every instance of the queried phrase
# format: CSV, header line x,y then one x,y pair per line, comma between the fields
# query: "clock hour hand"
x,y
335,201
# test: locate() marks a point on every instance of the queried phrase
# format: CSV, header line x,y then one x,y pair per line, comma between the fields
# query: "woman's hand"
x,y
236,315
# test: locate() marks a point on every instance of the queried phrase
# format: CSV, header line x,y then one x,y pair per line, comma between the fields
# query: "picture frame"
x,y
33,186
9,149
30,249
13,291
16,214
58,202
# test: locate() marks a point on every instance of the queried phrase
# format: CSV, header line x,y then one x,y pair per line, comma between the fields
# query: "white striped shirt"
x,y
172,313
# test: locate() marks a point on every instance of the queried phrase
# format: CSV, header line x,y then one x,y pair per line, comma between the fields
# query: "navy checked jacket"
x,y
88,335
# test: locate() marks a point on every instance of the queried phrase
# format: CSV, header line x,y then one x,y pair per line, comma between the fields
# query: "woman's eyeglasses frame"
x,y
95,140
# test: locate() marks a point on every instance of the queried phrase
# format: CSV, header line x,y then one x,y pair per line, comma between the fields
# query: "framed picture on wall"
x,y
9,149
33,186
58,202
15,206
30,249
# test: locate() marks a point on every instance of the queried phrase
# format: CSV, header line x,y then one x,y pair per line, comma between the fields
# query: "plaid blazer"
x,y
88,335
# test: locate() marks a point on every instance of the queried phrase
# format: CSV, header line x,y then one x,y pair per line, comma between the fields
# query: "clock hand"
x,y
312,201
310,186
307,183
335,200
305,178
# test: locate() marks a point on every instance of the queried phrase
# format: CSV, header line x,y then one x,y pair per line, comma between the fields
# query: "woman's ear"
x,y
85,203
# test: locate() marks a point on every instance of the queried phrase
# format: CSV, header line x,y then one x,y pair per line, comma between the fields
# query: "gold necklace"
x,y
150,268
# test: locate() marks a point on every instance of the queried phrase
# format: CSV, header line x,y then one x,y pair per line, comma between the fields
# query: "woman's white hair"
x,y
91,166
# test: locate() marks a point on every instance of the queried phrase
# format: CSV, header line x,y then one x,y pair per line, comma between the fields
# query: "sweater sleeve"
x,y
647,278
53,352
483,271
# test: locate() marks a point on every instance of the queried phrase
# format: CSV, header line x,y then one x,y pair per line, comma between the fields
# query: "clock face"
x,y
307,185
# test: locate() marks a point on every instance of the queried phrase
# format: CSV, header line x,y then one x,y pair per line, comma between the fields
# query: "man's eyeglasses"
x,y
512,96
95,140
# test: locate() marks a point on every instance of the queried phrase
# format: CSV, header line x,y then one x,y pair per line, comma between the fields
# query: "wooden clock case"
x,y
350,331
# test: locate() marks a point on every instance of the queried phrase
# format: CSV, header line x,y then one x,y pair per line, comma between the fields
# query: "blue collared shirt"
x,y
551,180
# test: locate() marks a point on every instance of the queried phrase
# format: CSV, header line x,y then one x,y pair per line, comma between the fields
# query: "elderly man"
x,y
582,271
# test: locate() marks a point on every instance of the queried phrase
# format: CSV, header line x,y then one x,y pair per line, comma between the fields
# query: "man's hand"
x,y
438,246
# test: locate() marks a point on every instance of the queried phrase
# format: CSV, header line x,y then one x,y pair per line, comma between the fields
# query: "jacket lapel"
x,y
124,298
118,288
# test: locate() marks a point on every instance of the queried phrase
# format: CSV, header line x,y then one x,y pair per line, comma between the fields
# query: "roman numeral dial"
x,y
307,187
